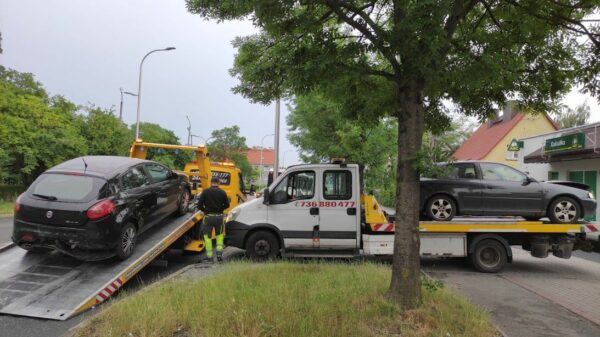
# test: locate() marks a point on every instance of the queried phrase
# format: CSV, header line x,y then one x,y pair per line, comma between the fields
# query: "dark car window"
x,y
462,171
67,187
337,185
491,171
296,185
157,172
134,178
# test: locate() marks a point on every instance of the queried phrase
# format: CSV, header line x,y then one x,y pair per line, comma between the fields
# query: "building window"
x,y
552,175
512,155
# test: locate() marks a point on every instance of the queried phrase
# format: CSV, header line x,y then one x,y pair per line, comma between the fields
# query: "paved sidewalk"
x,y
532,297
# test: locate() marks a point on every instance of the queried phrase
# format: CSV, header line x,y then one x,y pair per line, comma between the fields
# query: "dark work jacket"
x,y
213,201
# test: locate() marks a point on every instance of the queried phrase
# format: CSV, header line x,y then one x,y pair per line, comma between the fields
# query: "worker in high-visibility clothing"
x,y
212,202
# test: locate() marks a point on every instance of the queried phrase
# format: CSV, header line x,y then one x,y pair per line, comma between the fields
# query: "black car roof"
x,y
103,166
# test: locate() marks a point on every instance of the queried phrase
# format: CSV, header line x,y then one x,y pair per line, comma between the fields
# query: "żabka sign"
x,y
565,143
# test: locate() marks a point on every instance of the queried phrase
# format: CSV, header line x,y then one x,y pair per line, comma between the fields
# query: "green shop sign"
x,y
565,143
515,145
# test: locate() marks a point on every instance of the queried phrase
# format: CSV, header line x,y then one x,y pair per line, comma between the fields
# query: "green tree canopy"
x,y
569,117
105,134
37,131
414,56
154,133
228,145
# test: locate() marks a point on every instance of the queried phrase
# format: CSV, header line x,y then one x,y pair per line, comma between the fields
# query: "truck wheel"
x,y
126,242
440,208
563,210
184,202
489,256
262,246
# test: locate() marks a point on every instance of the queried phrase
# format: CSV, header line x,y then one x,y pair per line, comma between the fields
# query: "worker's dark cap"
x,y
215,180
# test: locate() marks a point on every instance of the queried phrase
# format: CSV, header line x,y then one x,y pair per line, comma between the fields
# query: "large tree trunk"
x,y
405,288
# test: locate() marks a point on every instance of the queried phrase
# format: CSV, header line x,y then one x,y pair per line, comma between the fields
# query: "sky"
x,y
87,50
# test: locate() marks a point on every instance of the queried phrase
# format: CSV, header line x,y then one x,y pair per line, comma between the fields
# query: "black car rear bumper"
x,y
100,235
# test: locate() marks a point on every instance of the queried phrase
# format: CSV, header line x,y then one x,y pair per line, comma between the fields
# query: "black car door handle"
x,y
314,211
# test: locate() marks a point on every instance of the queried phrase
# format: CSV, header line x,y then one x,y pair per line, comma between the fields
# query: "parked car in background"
x,y
95,207
488,188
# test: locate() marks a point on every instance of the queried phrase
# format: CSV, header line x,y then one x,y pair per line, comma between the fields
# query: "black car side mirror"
x,y
528,181
266,196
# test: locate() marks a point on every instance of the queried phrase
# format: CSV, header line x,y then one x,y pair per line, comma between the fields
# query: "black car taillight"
x,y
18,204
100,210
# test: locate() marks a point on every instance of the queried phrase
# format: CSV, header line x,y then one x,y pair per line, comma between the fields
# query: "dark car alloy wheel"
x,y
126,242
441,208
184,202
564,210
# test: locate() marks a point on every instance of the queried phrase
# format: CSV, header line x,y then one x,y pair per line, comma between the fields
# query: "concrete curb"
x,y
6,216
502,333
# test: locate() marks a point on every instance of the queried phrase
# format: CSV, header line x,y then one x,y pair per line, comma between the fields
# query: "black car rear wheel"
x,y
564,210
126,242
184,202
440,208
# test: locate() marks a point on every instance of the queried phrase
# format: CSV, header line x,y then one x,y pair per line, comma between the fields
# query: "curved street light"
x,y
139,92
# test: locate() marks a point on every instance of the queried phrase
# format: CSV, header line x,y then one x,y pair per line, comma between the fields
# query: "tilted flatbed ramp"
x,y
55,286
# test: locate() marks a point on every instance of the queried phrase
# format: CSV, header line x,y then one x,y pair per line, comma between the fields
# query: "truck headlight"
x,y
232,215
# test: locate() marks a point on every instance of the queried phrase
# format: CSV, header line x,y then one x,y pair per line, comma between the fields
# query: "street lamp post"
x,y
261,155
121,106
139,93
189,128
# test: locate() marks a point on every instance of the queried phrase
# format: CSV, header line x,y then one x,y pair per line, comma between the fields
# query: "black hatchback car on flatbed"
x,y
95,207
494,189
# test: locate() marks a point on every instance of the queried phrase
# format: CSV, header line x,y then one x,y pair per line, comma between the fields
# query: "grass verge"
x,y
286,299
6,207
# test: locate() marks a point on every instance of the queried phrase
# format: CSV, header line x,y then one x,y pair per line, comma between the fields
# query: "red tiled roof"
x,y
485,138
268,155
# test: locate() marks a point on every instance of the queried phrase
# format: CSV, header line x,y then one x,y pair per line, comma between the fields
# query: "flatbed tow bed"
x,y
56,286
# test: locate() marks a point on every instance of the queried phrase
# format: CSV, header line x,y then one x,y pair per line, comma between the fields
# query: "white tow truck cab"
x,y
317,210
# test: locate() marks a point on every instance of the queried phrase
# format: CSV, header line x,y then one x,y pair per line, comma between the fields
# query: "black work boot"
x,y
219,257
208,260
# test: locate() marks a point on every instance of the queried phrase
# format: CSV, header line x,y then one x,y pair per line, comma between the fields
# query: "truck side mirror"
x,y
266,196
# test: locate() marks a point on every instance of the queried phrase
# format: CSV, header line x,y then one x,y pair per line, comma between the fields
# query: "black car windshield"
x,y
66,187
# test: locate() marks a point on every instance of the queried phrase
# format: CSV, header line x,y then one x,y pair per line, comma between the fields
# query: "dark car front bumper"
x,y
235,234
589,207
100,235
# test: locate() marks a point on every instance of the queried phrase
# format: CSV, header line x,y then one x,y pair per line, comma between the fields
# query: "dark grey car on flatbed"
x,y
494,189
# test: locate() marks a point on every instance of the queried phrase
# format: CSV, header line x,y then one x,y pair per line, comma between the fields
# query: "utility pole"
x,y
276,147
189,128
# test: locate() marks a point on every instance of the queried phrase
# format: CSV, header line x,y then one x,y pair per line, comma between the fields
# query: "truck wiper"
x,y
47,197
